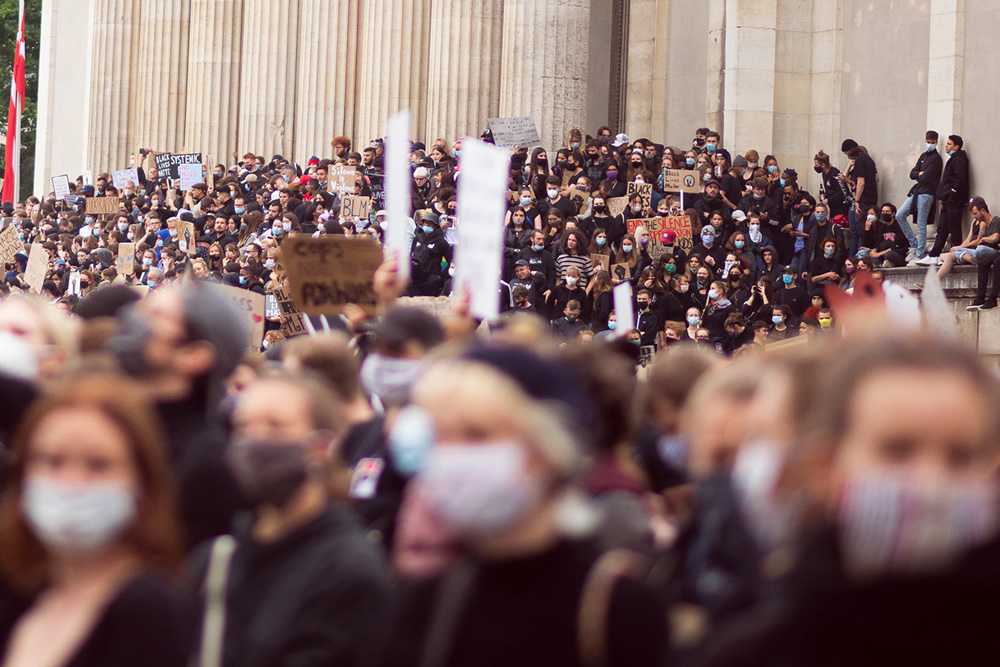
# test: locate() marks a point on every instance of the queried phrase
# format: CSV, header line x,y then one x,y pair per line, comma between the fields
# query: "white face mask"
x,y
570,281
270,263
889,522
755,474
76,517
389,378
684,288
552,193
479,489
287,226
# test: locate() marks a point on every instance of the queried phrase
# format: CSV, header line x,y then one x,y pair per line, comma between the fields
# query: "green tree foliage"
x,y
8,37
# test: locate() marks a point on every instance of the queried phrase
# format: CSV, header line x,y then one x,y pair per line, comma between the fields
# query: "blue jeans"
x,y
923,212
981,253
852,221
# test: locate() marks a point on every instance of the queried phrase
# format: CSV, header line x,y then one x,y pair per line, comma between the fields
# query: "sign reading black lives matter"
x,y
329,272
514,131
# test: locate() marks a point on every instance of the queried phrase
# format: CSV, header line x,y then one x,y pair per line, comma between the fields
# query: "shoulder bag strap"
x,y
213,627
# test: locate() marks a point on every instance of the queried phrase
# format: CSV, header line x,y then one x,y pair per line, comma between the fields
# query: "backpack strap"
x,y
213,629
595,603
451,598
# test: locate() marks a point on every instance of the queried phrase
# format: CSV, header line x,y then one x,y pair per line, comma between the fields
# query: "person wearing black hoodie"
x,y
181,343
953,193
429,252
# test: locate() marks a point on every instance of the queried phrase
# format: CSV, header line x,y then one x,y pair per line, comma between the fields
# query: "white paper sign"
x,y
939,318
122,176
482,203
60,186
189,174
514,131
73,284
397,183
623,308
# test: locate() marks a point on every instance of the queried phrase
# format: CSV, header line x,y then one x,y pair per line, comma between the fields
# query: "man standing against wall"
x,y
927,174
864,175
953,194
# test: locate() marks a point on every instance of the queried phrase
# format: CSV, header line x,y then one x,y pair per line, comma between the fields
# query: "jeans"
x,y
981,253
923,212
852,221
799,261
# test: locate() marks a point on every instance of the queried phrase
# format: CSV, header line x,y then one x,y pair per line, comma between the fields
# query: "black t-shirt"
x,y
992,229
563,204
864,167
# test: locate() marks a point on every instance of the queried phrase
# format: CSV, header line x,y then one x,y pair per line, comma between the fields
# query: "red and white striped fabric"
x,y
12,173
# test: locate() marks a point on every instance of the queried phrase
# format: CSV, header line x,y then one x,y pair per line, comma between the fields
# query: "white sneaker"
x,y
911,255
927,260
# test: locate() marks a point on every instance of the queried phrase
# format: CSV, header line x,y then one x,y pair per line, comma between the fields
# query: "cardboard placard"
x,y
189,174
617,206
38,266
646,355
681,225
579,197
623,272
102,205
60,186
681,180
250,306
355,206
294,324
438,306
600,262
126,259
789,344
519,131
644,190
10,244
341,179
377,184
122,176
329,272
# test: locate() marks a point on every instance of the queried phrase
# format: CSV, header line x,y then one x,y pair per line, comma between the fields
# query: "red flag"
x,y
12,173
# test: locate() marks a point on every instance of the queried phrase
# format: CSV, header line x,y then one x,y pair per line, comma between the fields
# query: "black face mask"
x,y
268,471
887,217
818,170
128,345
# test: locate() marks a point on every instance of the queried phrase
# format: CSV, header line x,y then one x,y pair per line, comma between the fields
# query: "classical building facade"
x,y
787,77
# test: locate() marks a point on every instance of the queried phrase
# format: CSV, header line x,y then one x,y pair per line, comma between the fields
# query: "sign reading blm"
x,y
329,272
514,131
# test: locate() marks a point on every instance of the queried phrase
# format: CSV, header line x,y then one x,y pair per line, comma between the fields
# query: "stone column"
x,y
327,78
463,78
749,74
393,63
946,68
544,75
715,93
161,79
827,83
114,54
268,76
213,79
648,60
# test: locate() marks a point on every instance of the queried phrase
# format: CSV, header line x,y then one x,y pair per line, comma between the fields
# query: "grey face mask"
x,y
269,472
389,378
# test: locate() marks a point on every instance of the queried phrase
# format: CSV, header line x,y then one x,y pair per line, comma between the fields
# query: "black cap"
x,y
848,145
522,262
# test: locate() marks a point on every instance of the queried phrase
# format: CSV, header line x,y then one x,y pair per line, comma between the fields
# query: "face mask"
x,y
689,161
754,475
848,268
871,218
710,148
243,280
684,289
525,201
739,244
772,169
821,217
601,241
97,231
643,305
707,177
536,247
639,181
479,489
825,322
637,209
147,262
889,523
828,252
930,147
552,193
777,319
270,263
76,517
671,269
693,320
612,325
574,144
787,279
570,281
287,226
277,231
20,236
707,239
887,217
122,226
713,294
951,152
240,210
612,175
410,439
159,243
626,249
389,378
427,229
644,241
269,472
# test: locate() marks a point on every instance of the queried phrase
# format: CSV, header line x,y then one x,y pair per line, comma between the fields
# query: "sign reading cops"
x,y
329,272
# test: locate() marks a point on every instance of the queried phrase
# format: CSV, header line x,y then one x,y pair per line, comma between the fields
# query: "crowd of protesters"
x,y
417,489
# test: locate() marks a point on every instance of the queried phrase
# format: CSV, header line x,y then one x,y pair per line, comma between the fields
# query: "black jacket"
x,y
427,252
954,188
930,163
316,597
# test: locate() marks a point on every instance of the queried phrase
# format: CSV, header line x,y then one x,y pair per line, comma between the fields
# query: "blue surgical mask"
x,y
575,144
97,231
787,279
427,229
689,161
612,325
601,241
626,249
409,440
693,320
773,168
159,243
243,280
710,148
777,319
951,152
781,181
821,216
240,210
739,244
930,147
277,231
536,247
147,261
757,196
525,201
707,239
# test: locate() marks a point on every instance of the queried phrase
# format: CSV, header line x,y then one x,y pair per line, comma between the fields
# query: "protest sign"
x,y
250,306
38,265
681,226
10,244
60,186
621,272
341,179
122,176
623,308
189,174
73,283
126,259
600,262
579,197
398,185
482,198
102,205
438,306
681,180
186,158
354,206
617,206
646,355
520,131
162,162
293,324
329,272
644,190
377,184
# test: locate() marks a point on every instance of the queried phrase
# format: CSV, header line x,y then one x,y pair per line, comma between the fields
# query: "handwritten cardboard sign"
x,y
126,259
679,224
329,272
644,190
519,131
10,244
341,179
294,324
38,266
600,262
438,306
122,176
617,206
621,272
681,180
579,197
60,186
102,205
250,306
355,206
